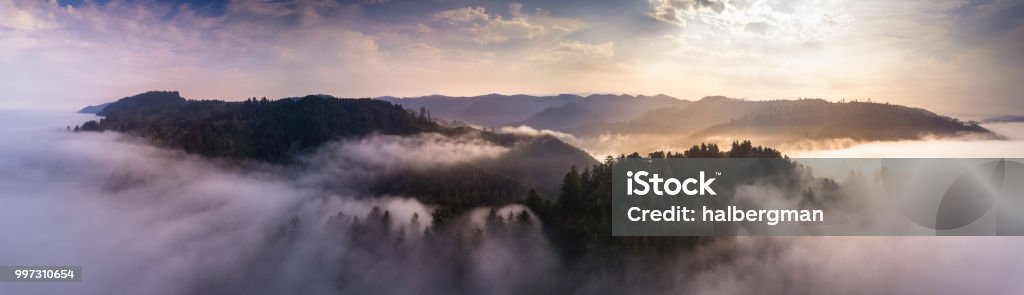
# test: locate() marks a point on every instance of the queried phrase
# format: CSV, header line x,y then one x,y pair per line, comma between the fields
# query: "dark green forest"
x,y
258,129
577,224
283,131
568,191
579,221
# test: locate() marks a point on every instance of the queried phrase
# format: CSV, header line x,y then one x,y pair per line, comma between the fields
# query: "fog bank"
x,y
1011,147
146,220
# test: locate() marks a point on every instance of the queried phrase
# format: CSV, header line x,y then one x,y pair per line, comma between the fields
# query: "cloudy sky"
x,y
956,57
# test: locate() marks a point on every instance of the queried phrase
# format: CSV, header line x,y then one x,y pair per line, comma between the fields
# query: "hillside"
x,y
255,129
491,110
818,119
279,131
700,114
784,120
93,109
598,109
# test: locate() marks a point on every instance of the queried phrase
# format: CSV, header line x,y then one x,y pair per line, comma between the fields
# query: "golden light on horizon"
x,y
948,56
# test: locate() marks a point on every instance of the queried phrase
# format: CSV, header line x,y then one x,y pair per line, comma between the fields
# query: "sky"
x,y
961,58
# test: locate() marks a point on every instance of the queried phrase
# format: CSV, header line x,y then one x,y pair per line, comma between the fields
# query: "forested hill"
x,y
93,109
491,110
256,128
279,131
776,121
819,119
599,109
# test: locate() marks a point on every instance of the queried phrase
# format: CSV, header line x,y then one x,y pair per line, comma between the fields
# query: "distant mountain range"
x,y
598,109
277,131
778,121
565,112
710,118
771,121
486,110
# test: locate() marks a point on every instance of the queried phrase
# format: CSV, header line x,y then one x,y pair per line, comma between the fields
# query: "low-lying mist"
x,y
147,220
1011,146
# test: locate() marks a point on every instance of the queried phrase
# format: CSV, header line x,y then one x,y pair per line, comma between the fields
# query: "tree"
x,y
415,221
493,224
91,126
524,218
571,190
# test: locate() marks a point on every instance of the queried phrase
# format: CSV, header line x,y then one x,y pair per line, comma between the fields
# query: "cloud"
x,y
530,131
760,28
254,46
23,20
259,48
99,50
462,15
382,154
614,144
577,52
482,28
857,265
515,9
677,11
938,148
176,223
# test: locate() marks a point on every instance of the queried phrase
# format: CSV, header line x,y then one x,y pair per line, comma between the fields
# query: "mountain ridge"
x,y
598,109
93,109
490,110
792,120
280,131
707,118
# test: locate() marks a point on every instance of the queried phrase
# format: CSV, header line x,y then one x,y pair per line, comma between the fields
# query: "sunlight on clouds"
x,y
920,53
755,49
463,15
577,52
786,23
21,20
486,28
902,52
678,11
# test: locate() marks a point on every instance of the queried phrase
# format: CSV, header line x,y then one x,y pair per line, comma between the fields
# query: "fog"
x,y
861,265
607,144
869,265
1011,147
147,220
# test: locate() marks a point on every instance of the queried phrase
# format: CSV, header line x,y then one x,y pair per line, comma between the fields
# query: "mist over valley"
x,y
171,192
